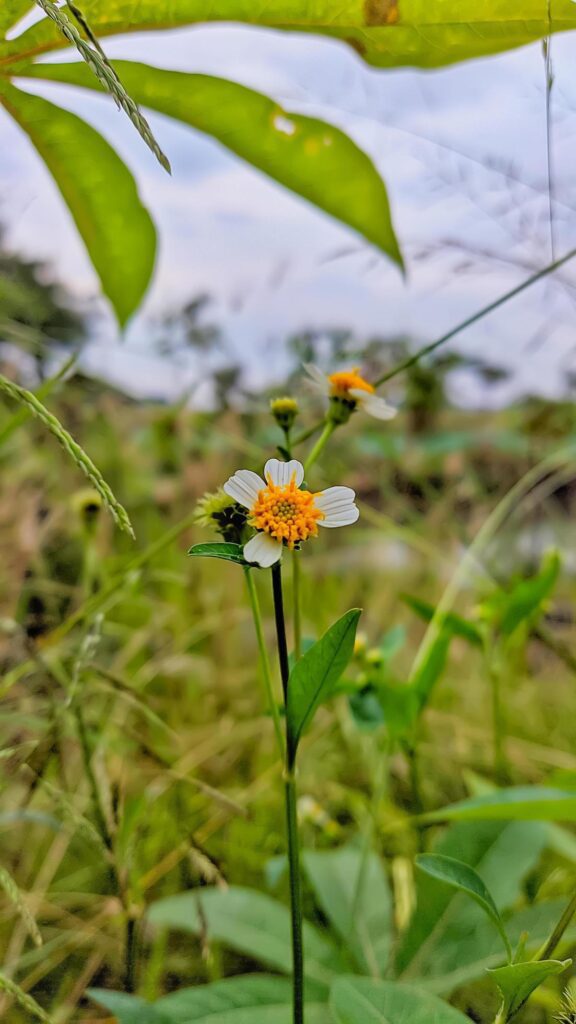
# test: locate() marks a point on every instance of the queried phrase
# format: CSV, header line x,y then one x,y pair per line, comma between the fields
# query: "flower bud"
x,y
87,504
222,513
284,411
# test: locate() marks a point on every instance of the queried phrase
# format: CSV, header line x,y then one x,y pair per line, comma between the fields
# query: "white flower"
x,y
349,387
283,514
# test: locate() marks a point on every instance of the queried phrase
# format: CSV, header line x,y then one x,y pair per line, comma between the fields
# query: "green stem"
x,y
498,729
550,946
307,433
264,659
291,815
296,605
329,428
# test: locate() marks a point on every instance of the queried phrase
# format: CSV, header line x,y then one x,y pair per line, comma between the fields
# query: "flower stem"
x,y
291,815
307,433
550,946
296,605
329,428
264,659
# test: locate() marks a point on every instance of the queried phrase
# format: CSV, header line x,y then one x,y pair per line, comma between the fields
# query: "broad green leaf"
x,y
461,876
509,609
257,998
229,552
520,803
306,155
457,625
316,673
352,891
517,982
250,922
363,1001
100,193
128,1009
387,33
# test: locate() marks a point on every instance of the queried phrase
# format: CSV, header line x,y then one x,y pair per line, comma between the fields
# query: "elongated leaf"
x,y
517,982
431,667
458,625
229,552
352,890
128,1009
525,599
308,156
100,193
520,803
362,1001
316,673
257,998
463,877
249,922
388,33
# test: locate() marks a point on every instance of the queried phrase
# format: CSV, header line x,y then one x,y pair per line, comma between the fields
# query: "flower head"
x,y
348,391
282,513
284,411
218,510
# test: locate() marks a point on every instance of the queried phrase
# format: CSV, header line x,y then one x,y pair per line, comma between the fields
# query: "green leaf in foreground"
x,y
229,552
520,803
128,1009
257,998
363,1001
306,155
516,982
99,191
314,676
461,876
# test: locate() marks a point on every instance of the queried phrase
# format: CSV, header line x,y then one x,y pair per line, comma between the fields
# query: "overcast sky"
x,y
462,151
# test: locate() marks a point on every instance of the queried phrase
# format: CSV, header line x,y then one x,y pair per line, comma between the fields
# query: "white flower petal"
x,y
373,404
244,487
340,517
319,379
333,497
263,550
281,473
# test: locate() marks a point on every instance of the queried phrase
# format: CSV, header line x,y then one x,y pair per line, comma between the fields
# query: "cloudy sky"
x,y
463,153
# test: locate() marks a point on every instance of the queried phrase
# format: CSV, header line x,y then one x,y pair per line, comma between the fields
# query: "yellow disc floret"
x,y
286,513
348,380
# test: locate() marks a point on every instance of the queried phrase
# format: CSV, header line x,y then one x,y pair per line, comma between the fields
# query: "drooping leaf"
x,y
387,33
229,552
100,193
363,1001
517,982
464,878
314,676
520,803
458,625
128,1009
258,998
250,922
306,155
353,892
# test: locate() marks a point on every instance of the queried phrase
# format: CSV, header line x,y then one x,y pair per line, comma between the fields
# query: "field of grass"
x,y
139,757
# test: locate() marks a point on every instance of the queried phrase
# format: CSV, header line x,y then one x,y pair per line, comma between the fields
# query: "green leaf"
x,y
363,1001
352,891
315,675
250,922
520,803
306,155
455,623
463,877
100,193
431,667
229,552
387,33
128,1009
11,12
259,998
510,609
516,982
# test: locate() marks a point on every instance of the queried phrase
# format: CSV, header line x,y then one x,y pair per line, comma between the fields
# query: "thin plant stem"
x,y
550,946
264,659
296,595
291,813
329,428
306,434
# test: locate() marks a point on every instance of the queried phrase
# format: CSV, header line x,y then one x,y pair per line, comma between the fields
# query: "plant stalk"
x,y
264,659
329,428
550,946
296,605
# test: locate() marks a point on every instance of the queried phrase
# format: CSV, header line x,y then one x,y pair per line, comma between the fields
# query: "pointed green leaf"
x,y
314,676
363,1001
100,193
306,155
128,1009
526,803
258,998
517,982
510,609
229,552
458,625
461,876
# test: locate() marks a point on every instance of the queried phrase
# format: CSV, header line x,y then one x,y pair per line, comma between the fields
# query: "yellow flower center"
x,y
286,513
347,380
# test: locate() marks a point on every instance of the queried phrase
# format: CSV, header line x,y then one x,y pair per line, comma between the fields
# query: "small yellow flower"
x,y
210,506
284,411
281,513
221,512
348,391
